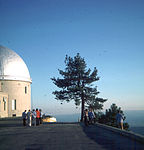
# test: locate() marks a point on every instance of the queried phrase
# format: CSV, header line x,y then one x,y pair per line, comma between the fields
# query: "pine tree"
x,y
76,84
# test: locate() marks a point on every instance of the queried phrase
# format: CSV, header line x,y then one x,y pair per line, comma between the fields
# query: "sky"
x,y
108,34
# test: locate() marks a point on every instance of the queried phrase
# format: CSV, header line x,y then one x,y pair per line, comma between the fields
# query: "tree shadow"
x,y
110,140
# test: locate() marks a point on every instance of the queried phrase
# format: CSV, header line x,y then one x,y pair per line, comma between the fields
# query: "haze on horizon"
x,y
108,34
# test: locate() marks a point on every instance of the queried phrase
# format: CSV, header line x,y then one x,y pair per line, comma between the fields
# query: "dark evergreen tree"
x,y
76,84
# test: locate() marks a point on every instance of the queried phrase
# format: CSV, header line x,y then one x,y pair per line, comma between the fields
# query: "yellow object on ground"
x,y
49,119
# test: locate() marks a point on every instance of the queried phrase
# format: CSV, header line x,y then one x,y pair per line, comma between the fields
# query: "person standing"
x,y
91,116
37,117
24,117
29,118
41,116
119,119
86,119
34,117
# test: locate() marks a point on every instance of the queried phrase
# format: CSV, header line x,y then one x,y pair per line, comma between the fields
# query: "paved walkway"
x,y
64,137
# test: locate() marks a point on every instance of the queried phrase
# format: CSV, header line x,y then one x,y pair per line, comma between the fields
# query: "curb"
x,y
129,134
60,123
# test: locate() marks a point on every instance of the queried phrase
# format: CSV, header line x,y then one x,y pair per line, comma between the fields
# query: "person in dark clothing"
x,y
91,116
86,119
24,117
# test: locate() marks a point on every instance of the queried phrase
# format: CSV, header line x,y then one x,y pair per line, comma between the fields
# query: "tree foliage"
x,y
76,84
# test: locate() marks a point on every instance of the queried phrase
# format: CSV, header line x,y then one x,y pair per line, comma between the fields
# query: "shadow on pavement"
x,y
110,140
8,122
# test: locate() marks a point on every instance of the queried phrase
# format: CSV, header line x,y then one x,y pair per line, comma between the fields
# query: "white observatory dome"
x,y
12,66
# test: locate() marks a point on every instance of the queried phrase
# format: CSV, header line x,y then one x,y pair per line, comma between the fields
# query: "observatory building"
x,y
15,84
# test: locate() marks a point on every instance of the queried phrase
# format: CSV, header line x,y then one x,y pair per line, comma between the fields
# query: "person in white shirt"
x,y
34,117
29,118
41,116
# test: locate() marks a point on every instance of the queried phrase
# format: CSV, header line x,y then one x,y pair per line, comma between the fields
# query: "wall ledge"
x,y
129,134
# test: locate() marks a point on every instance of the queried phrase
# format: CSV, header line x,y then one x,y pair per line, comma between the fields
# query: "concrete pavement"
x,y
63,137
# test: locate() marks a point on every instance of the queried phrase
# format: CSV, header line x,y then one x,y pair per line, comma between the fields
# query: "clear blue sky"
x,y
109,34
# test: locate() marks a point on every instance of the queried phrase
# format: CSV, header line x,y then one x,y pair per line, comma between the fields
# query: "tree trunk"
x,y
82,108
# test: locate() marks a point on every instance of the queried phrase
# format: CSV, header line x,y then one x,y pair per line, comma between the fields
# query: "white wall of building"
x,y
19,96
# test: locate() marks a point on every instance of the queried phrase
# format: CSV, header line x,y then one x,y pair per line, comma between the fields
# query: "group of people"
x,y
88,117
32,118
